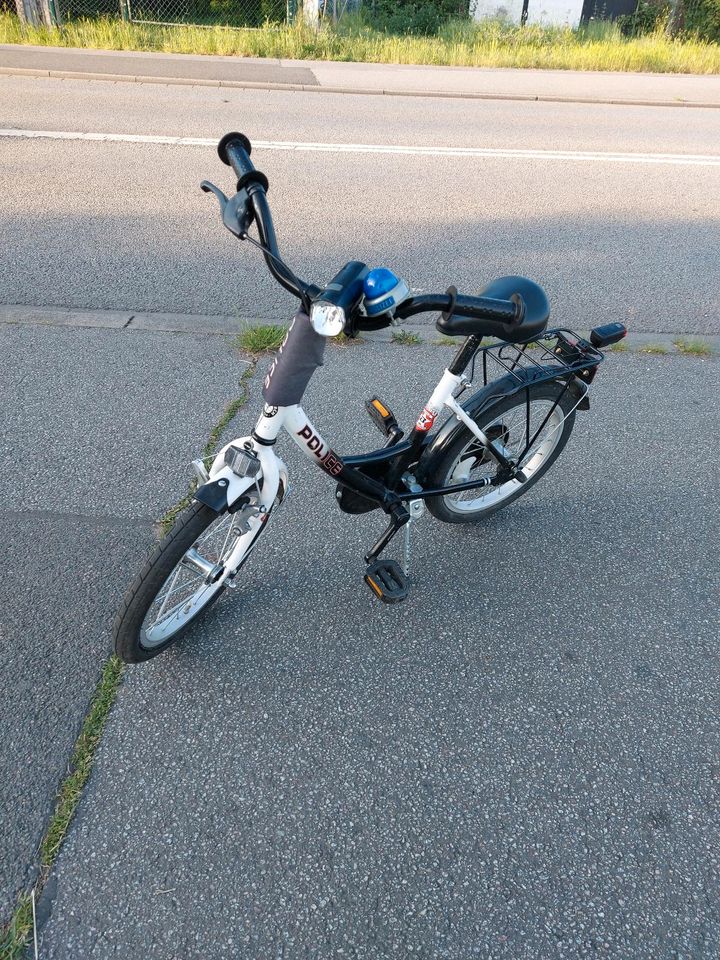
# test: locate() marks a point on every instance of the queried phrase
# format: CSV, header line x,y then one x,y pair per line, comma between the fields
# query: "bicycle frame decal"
x,y
296,423
329,461
426,420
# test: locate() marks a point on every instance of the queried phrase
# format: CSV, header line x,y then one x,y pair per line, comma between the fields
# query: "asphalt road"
x,y
522,761
97,431
124,226
519,762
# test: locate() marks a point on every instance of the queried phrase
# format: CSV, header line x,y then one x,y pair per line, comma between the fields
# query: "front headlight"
x,y
327,319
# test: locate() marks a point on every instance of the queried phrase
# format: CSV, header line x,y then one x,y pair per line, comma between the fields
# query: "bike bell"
x,y
383,292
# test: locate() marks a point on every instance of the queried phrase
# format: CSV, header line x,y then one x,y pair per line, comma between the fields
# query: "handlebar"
x,y
479,308
234,150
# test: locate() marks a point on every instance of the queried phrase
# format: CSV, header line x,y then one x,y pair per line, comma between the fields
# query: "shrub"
x,y
702,18
413,16
649,16
692,18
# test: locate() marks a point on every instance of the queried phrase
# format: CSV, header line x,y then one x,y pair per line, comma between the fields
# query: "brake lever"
x,y
237,212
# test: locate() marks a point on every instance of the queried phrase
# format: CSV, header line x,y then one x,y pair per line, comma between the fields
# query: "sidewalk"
x,y
365,78
423,326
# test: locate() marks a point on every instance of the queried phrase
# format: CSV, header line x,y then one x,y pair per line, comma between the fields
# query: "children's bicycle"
x,y
492,448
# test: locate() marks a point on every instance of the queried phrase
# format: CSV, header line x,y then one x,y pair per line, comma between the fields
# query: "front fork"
x,y
270,483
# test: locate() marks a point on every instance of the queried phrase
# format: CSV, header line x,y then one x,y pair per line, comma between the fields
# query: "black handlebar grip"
x,y
490,308
234,149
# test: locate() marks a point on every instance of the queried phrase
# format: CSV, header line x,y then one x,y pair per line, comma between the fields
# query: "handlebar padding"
x,y
234,150
238,139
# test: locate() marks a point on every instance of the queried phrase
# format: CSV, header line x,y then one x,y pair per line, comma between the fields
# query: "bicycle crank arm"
x,y
400,517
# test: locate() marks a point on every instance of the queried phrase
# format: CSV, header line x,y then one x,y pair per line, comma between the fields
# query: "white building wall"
x,y
558,13
497,9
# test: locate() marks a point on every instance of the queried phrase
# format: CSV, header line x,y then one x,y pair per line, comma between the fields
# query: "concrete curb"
x,y
357,91
219,325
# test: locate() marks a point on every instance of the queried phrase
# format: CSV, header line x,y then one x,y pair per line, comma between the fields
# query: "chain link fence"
x,y
251,14
231,13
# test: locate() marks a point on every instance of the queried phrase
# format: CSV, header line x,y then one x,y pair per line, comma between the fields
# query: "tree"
x,y
36,12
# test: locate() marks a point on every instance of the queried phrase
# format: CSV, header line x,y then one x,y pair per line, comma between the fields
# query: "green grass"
x,y
17,934
405,338
600,46
619,347
261,339
658,348
343,340
698,348
444,341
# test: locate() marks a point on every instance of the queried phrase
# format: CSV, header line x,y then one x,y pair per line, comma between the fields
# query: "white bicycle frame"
x,y
296,423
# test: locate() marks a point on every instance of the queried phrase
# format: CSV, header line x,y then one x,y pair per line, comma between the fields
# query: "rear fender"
x,y
506,386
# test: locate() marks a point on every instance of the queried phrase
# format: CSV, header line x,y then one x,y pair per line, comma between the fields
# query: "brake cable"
x,y
301,286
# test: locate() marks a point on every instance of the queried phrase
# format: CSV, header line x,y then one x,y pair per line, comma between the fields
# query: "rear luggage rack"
x,y
557,354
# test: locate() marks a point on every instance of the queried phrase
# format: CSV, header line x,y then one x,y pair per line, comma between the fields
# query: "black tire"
x,y
439,472
127,629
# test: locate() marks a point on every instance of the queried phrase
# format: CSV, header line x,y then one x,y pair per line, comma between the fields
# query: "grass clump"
x,y
698,348
208,453
619,347
488,43
444,341
343,340
262,338
405,338
657,348
17,934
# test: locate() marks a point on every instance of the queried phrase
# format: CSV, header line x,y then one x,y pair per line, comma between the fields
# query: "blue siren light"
x,y
383,291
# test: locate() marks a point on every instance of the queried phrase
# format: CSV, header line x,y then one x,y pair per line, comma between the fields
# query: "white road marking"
x,y
480,153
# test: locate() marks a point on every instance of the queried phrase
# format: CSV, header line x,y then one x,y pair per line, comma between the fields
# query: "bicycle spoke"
x,y
169,592
543,417
186,591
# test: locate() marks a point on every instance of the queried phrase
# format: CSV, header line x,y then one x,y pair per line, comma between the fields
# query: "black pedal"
x,y
387,581
608,333
383,418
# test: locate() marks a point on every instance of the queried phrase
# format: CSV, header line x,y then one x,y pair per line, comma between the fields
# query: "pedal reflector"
x,y
387,581
382,416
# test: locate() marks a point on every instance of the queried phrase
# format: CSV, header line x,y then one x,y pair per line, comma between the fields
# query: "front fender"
x,y
223,491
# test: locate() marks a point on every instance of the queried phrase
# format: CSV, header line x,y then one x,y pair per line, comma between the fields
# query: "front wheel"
x,y
179,581
549,413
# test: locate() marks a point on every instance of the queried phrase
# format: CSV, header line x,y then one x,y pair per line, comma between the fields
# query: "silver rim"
x,y
472,463
192,583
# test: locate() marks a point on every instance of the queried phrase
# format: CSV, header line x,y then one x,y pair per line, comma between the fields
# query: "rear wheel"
x,y
178,582
507,422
